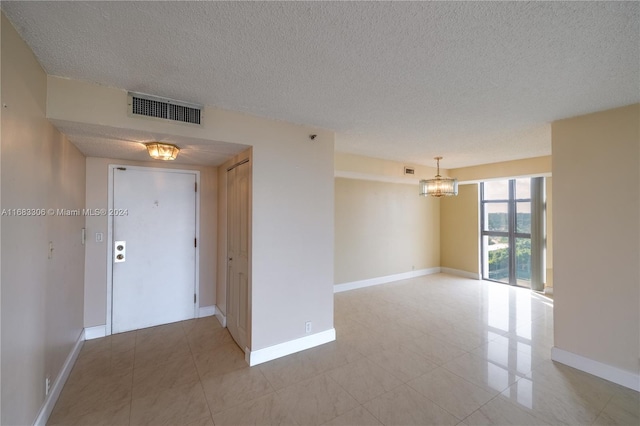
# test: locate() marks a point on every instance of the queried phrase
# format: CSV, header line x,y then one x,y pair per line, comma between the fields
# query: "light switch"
x,y
99,237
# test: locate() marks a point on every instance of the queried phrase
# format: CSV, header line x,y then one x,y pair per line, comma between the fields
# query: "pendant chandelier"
x,y
162,151
439,186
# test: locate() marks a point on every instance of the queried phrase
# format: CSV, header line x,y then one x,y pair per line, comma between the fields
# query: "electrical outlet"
x,y
307,327
47,385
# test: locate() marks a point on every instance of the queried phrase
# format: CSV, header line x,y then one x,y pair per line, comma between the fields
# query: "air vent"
x,y
167,109
409,170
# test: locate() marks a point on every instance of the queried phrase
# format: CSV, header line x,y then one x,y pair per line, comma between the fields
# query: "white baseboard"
x,y
206,311
290,347
58,384
221,317
624,378
337,288
460,273
96,332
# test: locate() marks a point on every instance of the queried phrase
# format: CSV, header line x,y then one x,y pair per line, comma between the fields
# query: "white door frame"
x,y
112,168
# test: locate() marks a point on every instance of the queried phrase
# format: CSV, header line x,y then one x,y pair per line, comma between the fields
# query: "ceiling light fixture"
x,y
439,186
162,151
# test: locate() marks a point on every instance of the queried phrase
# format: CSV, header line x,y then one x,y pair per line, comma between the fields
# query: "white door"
x,y
238,180
154,223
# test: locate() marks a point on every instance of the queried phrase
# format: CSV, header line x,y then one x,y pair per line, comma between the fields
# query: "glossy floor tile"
x,y
431,350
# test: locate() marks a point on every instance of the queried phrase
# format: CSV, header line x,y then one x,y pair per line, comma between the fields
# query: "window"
x,y
507,218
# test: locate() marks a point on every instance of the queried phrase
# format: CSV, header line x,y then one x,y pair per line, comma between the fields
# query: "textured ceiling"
x,y
476,82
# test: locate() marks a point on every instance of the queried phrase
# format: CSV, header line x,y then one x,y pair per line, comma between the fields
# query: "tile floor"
x,y
435,350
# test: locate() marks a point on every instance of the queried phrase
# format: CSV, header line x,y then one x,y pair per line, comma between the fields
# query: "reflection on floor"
x,y
431,350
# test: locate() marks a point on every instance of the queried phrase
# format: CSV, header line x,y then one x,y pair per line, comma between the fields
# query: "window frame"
x,y
511,234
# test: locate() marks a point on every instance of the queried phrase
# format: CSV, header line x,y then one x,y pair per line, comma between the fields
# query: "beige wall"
x,y
538,166
460,230
596,189
383,229
42,299
95,293
459,216
375,169
292,219
464,212
458,224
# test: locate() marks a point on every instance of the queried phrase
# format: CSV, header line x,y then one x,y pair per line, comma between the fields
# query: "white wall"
x,y
292,202
292,227
95,293
596,211
42,299
548,184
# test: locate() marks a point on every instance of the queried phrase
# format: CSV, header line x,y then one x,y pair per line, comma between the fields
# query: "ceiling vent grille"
x,y
167,109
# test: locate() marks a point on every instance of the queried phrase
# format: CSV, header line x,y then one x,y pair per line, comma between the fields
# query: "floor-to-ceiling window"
x,y
506,230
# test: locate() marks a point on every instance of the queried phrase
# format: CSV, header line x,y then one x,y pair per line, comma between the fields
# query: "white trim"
x,y
460,273
290,347
488,179
407,180
196,288
58,384
109,242
206,311
95,332
221,317
338,288
624,378
548,290
110,189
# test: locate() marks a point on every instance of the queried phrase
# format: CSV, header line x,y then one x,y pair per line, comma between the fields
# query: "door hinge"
x,y
195,242
196,184
194,298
